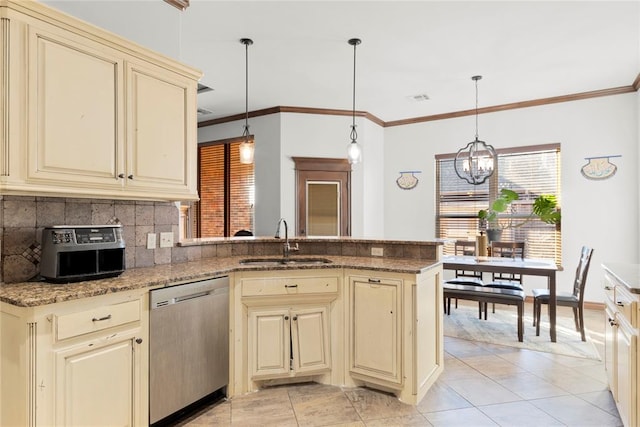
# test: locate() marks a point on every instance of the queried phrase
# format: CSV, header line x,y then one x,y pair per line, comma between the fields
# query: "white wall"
x,y
601,214
308,135
279,137
266,130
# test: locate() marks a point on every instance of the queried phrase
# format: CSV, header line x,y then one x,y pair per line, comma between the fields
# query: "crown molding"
x,y
634,87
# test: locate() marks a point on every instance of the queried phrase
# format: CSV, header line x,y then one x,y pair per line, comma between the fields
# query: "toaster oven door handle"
x,y
107,317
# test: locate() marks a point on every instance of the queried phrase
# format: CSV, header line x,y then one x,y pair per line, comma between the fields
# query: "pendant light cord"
x,y
354,133
246,43
476,78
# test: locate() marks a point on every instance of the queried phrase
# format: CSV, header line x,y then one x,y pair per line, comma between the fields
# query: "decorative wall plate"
x,y
407,180
599,168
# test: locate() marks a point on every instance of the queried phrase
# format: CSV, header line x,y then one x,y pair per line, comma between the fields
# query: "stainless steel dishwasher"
x,y
188,344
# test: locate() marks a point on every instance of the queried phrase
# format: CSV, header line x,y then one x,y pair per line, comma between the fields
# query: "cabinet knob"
x,y
295,318
608,288
620,304
139,340
130,176
286,317
120,175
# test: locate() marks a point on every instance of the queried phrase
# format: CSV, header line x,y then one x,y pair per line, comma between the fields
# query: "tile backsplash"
x,y
23,218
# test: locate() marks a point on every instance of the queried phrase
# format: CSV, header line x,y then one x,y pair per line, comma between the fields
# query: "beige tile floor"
x,y
482,385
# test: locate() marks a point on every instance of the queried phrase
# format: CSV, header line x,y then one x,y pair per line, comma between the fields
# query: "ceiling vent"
x,y
419,98
204,112
202,88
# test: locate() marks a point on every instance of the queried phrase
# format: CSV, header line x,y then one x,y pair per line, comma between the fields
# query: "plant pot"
x,y
494,235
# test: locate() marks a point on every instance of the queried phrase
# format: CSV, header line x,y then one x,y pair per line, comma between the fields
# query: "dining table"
x,y
524,266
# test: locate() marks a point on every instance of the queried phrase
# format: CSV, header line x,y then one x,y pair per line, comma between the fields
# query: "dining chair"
x,y
502,280
574,299
464,277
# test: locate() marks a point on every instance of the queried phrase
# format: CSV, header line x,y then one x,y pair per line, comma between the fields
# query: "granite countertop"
x,y
32,294
627,274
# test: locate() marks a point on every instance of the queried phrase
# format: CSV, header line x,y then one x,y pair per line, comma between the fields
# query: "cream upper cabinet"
x,y
75,111
76,363
159,122
90,114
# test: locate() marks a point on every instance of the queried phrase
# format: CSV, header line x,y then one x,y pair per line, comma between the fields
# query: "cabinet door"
x,y
95,384
610,330
75,136
310,340
162,125
376,330
626,342
269,343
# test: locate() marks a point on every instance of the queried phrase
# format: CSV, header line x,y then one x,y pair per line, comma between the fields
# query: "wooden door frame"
x,y
322,169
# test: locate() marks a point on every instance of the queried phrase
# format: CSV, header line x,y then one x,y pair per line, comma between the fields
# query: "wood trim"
x,y
554,146
321,164
515,105
285,109
492,109
636,83
180,4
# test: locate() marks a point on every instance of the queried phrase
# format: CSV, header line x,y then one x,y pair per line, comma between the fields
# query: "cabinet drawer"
x,y
289,286
626,305
97,319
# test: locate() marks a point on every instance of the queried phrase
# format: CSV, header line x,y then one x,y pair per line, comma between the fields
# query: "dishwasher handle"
x,y
176,294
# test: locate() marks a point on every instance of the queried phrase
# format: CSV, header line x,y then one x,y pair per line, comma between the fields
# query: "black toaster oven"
x,y
72,253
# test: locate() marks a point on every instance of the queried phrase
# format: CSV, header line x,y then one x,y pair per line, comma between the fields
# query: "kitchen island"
x,y
355,320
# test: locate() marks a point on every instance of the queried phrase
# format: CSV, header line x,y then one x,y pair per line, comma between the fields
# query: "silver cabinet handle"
x,y
107,317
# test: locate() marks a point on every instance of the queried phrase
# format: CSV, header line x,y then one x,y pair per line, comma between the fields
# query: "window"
x,y
530,171
226,189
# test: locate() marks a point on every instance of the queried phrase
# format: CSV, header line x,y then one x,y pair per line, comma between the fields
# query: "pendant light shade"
x,y
475,162
246,146
354,151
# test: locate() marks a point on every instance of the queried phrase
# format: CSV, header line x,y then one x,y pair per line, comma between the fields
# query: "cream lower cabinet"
x,y
76,363
286,327
289,342
376,328
101,117
395,337
621,347
337,326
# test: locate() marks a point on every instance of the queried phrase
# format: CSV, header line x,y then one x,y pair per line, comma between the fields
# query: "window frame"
x,y
484,193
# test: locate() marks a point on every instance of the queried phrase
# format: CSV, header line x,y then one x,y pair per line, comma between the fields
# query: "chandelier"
x,y
246,147
475,162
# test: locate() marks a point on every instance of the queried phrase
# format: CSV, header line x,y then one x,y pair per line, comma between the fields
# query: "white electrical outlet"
x,y
151,241
166,239
377,251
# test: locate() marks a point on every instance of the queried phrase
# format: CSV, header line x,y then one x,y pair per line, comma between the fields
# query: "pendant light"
x,y
246,146
354,151
475,162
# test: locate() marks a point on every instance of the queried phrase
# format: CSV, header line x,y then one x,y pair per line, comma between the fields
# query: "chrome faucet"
x,y
286,248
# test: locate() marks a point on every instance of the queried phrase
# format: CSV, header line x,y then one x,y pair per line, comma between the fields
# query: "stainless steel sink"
x,y
283,261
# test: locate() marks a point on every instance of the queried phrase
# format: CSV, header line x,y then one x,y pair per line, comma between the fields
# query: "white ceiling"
x,y
300,57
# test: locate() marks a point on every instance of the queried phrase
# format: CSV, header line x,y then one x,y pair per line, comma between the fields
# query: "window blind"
x,y
226,189
529,171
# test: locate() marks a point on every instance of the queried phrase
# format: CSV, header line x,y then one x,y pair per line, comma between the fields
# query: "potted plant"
x,y
544,208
